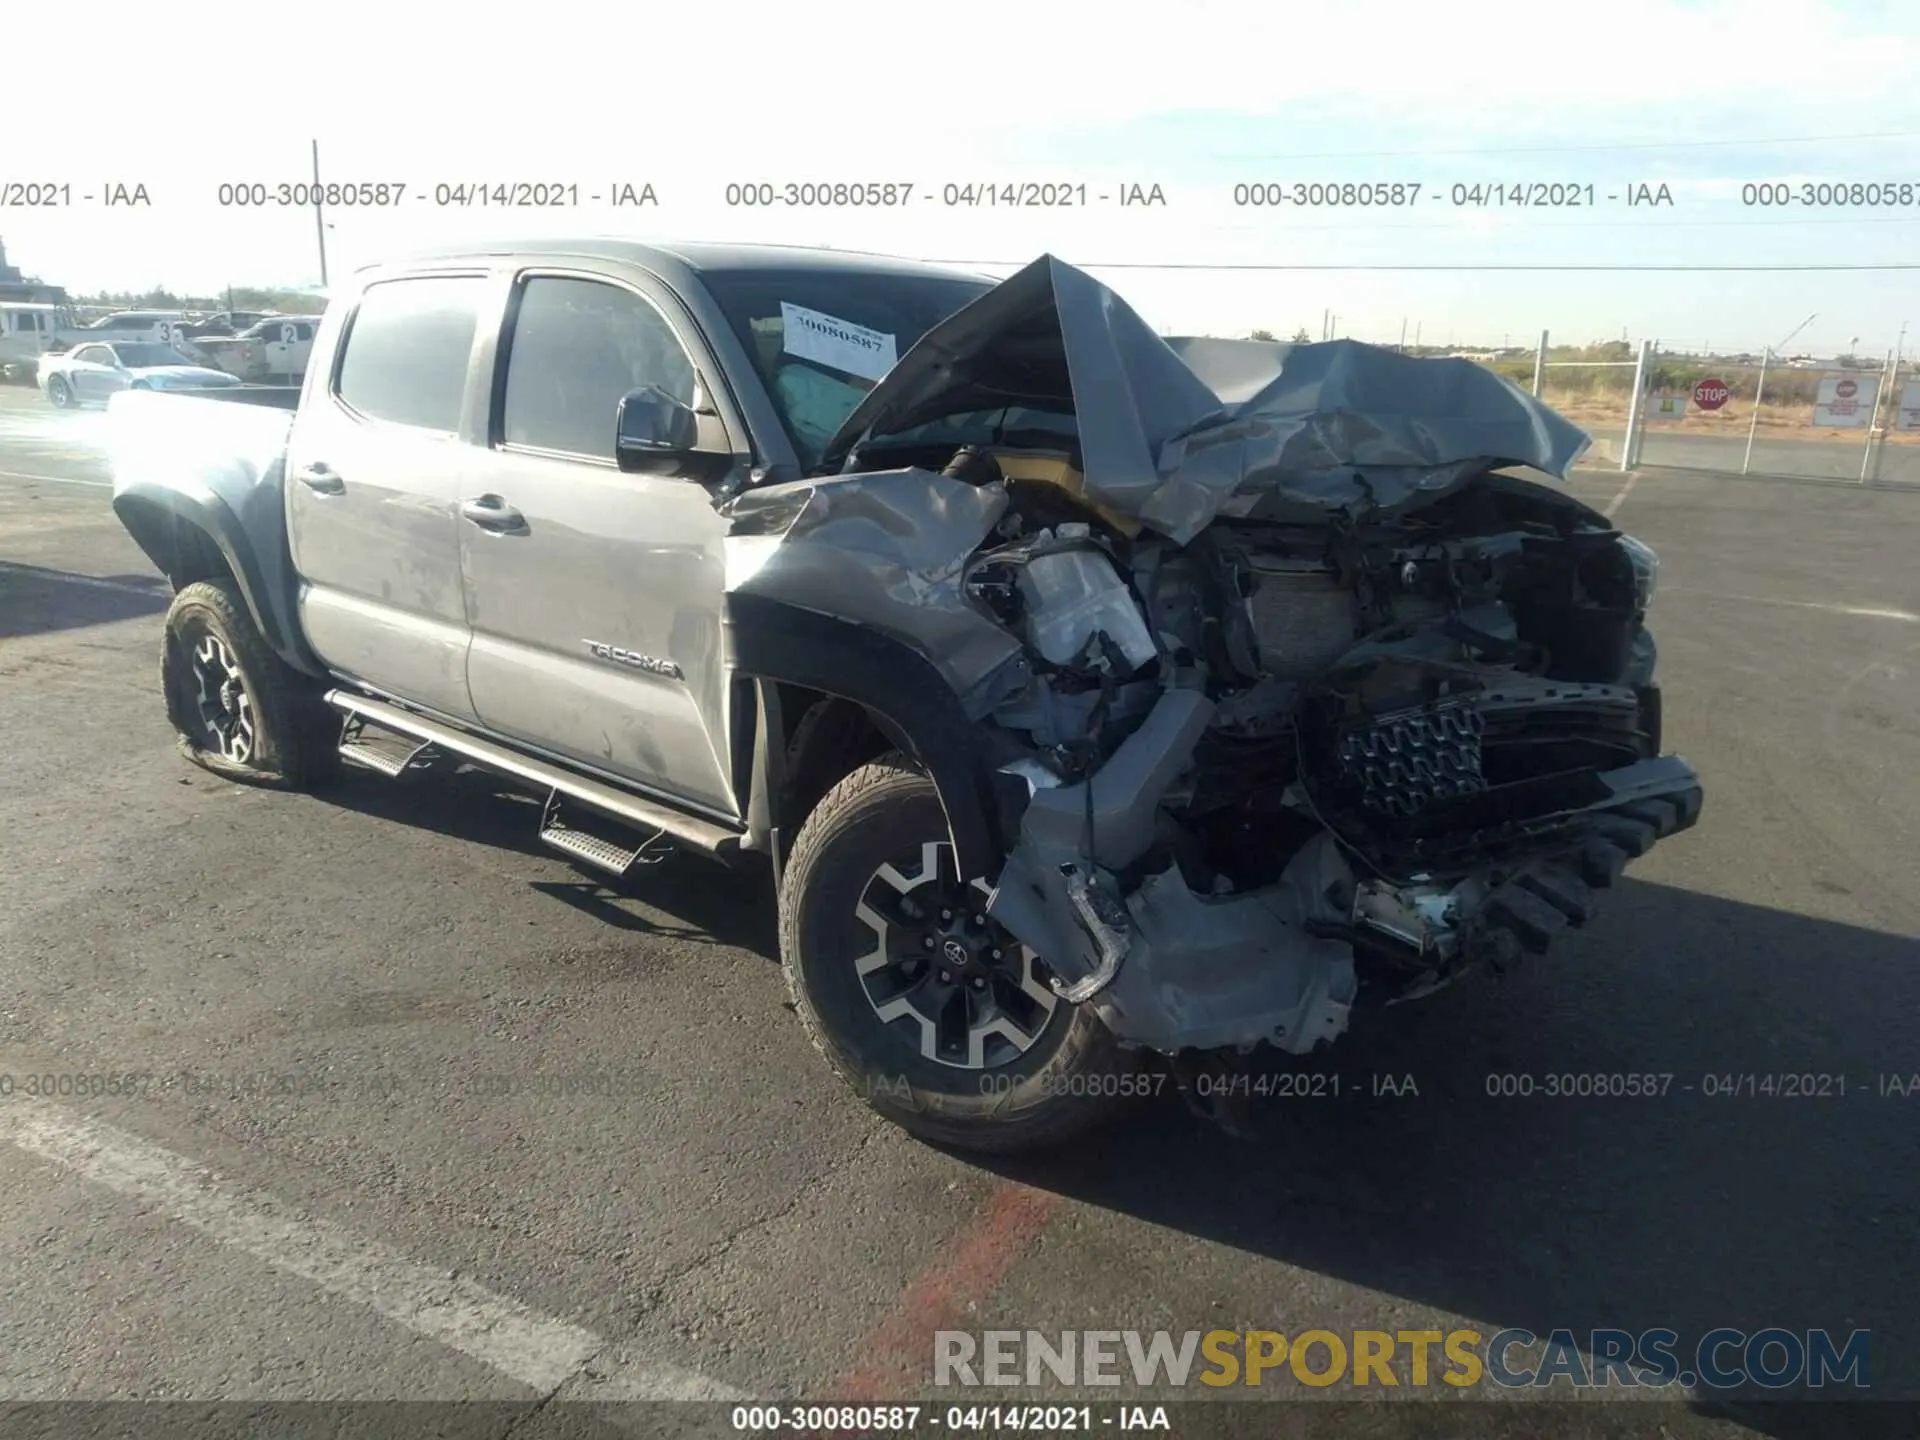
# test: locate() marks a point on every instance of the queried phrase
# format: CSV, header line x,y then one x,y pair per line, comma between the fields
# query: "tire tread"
x,y
301,733
1088,1047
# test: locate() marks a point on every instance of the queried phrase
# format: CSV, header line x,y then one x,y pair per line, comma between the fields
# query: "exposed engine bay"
x,y
1310,704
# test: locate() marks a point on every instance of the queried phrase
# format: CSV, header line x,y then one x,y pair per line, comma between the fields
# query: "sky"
x,y
1214,102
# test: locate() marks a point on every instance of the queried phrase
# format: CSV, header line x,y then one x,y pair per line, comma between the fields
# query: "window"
x,y
303,331
577,347
407,350
96,355
813,398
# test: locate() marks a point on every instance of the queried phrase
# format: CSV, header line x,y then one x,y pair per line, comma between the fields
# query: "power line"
x,y
1568,149
1215,265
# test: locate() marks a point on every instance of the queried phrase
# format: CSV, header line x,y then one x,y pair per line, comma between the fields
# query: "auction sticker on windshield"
x,y
811,335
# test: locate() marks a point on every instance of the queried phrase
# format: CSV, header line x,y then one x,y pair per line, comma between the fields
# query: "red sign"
x,y
1710,394
1847,389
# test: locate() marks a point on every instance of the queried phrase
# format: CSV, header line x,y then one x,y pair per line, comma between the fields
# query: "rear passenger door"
x,y
375,466
596,617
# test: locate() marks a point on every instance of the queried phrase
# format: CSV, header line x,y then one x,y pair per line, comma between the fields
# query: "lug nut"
x,y
997,955
945,976
980,982
980,920
946,914
926,942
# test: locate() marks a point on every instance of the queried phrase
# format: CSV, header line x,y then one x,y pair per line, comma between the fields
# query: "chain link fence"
x,y
1732,412
1762,415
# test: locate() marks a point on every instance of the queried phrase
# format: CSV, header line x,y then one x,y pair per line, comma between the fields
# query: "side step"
x,y
646,815
592,849
391,759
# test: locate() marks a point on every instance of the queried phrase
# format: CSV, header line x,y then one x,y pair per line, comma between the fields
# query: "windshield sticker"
x,y
810,335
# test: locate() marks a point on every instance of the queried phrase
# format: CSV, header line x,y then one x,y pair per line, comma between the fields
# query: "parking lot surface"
x,y
411,1109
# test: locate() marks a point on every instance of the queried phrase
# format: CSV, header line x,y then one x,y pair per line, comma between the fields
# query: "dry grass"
x,y
1777,422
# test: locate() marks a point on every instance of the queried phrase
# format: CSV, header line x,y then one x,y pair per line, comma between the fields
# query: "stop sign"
x,y
1710,394
1846,389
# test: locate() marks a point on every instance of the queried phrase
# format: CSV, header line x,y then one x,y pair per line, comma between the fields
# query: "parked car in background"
x,y
223,324
275,347
159,326
92,373
26,332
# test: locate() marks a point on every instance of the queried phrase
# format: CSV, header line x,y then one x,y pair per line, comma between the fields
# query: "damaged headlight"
x,y
1646,569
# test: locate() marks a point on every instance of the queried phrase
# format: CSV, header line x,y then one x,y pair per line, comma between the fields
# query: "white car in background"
x,y
278,346
158,326
93,373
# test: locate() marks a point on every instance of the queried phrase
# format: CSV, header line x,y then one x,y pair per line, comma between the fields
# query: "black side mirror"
x,y
653,431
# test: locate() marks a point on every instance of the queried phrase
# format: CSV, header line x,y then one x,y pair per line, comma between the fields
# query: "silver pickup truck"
x,y
1089,696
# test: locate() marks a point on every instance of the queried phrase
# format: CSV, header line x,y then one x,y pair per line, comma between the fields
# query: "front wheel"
x,y
239,710
59,393
938,1018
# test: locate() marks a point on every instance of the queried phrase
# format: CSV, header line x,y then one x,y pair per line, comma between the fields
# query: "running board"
x,y
591,849
378,753
643,814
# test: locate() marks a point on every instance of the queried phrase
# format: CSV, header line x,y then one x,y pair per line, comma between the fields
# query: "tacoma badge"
x,y
633,658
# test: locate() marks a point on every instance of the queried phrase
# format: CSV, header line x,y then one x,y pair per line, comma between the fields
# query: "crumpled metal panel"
x,y
886,549
1347,424
1049,337
1176,444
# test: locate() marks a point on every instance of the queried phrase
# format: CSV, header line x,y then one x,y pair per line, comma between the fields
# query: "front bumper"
x,y
1172,970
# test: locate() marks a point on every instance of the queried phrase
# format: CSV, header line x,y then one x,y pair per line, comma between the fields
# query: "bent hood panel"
x,y
1328,426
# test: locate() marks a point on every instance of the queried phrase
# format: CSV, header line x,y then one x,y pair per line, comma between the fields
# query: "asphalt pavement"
x,y
411,1110
1833,456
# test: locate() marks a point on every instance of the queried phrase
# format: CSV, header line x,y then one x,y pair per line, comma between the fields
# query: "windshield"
x,y
822,339
136,357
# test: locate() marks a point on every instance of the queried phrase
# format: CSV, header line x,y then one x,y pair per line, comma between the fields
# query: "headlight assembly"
x,y
1646,569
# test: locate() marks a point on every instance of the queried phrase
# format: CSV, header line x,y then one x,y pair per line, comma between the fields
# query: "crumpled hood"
x,y
1330,426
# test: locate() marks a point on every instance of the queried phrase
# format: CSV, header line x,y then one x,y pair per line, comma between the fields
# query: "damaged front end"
x,y
1303,702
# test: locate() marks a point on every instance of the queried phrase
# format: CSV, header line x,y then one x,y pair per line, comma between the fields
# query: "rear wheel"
x,y
59,392
239,710
939,1019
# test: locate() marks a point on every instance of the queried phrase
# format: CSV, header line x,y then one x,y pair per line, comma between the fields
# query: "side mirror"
x,y
653,431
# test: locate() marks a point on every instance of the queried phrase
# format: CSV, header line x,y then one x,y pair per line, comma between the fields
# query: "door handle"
x,y
490,512
320,478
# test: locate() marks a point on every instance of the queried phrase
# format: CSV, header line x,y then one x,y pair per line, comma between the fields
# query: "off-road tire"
x,y
1069,1081
296,735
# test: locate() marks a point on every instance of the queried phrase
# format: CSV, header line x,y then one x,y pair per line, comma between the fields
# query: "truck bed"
x,y
222,463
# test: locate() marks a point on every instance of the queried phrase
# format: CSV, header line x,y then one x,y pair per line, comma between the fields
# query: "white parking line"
x,y
56,479
537,1350
1613,505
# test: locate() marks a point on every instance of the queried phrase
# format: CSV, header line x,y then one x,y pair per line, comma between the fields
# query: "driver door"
x,y
96,373
594,595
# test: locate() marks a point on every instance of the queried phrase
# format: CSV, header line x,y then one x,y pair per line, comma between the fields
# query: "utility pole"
x,y
319,216
1403,334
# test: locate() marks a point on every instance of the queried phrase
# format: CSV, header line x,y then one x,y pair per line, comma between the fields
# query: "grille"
x,y
1303,618
1407,761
